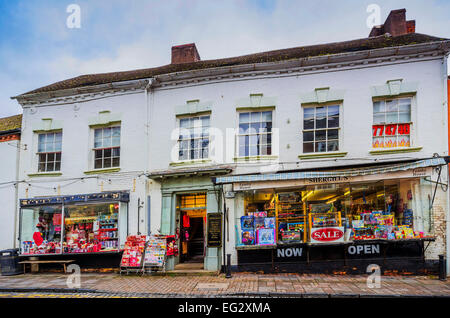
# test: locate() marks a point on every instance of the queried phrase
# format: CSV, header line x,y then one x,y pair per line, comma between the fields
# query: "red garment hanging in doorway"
x,y
186,221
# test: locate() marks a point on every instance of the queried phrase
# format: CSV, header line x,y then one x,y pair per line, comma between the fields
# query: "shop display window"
x,y
396,209
91,228
290,215
393,209
41,230
271,218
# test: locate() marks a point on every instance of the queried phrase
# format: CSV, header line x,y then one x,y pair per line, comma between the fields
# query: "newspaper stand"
x,y
132,257
155,254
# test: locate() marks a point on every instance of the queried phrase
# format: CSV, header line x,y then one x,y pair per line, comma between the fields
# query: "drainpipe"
x,y
225,216
16,191
447,221
147,122
446,105
147,140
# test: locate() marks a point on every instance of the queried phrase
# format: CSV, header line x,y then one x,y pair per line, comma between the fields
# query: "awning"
x,y
333,173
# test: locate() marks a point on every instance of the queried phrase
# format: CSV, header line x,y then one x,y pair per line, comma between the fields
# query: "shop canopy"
x,y
438,161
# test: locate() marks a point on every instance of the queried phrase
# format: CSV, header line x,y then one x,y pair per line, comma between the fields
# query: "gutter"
x,y
64,93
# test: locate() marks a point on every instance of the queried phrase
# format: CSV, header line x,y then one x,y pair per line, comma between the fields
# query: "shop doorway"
x,y
191,227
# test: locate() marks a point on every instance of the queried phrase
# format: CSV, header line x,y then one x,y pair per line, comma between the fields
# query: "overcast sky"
x,y
37,48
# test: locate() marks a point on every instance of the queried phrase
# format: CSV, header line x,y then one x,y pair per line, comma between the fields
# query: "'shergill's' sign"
x,y
327,234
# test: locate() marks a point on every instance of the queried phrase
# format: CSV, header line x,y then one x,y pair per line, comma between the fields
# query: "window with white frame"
x,y
255,134
391,123
49,151
193,140
320,128
106,147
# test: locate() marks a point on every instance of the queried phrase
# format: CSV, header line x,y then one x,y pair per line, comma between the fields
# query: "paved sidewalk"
x,y
241,284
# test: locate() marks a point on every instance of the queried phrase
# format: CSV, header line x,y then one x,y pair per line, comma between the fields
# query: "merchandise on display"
x,y
333,213
133,251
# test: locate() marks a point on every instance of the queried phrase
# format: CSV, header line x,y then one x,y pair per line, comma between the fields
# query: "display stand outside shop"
x,y
155,254
132,257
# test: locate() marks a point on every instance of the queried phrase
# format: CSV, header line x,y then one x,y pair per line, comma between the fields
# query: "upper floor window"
x,y
49,151
193,140
255,134
106,147
321,128
391,123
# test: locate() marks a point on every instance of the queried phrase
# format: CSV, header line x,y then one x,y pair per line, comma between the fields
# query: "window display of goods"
x,y
258,230
383,225
291,231
40,247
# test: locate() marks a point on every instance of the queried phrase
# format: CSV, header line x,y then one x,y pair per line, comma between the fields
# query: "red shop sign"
x,y
390,130
327,234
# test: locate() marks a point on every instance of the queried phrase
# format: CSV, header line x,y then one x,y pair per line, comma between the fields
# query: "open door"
x,y
192,209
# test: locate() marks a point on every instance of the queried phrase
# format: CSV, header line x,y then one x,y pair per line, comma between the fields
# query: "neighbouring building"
x,y
9,149
328,157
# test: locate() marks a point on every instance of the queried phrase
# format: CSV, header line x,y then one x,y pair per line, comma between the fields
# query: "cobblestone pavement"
x,y
241,284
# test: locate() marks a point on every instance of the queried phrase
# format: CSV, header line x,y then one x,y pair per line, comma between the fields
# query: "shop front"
x,y
335,221
74,225
189,201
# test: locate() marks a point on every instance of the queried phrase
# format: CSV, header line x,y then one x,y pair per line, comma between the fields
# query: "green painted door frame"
x,y
170,189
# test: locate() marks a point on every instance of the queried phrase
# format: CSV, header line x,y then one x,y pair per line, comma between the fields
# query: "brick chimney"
x,y
395,25
186,53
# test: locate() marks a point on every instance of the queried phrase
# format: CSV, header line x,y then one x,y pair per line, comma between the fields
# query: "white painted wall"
x,y
429,111
77,151
8,173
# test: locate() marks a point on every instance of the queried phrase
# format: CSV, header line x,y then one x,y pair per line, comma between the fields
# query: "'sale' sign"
x,y
327,234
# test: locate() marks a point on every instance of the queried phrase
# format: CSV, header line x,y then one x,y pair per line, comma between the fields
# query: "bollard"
x,y
442,268
228,275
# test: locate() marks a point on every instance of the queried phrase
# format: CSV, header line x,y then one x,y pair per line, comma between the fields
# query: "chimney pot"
x,y
186,53
395,25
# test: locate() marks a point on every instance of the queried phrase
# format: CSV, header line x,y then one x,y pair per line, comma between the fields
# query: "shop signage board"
x,y
255,185
317,258
122,196
364,250
214,229
327,234
290,253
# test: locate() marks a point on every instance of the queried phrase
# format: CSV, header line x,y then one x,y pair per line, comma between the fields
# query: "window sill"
x,y
394,150
254,158
98,171
319,155
189,162
45,174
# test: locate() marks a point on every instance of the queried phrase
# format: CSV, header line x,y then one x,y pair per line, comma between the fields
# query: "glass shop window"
x,y
91,228
258,224
40,231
